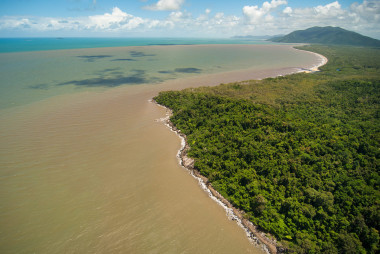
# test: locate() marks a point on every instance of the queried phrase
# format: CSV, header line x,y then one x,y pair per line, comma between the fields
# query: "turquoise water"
x,y
37,44
26,77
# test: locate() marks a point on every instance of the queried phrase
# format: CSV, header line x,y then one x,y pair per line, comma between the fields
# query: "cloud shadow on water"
x,y
166,72
107,71
188,70
123,59
138,78
139,54
39,87
92,58
182,70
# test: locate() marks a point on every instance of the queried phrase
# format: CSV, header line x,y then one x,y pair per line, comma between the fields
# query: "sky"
x,y
182,18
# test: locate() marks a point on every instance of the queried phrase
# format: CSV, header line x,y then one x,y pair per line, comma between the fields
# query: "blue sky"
x,y
182,18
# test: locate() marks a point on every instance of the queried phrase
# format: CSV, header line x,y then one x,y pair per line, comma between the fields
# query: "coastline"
x,y
255,236
315,68
261,239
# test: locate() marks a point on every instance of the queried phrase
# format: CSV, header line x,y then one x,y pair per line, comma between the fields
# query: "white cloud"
x,y
329,10
166,5
273,4
12,23
288,10
109,20
321,15
367,11
219,15
256,15
176,16
269,18
253,13
133,23
204,16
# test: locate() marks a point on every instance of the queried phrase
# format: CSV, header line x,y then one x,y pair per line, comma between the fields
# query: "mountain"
x,y
328,35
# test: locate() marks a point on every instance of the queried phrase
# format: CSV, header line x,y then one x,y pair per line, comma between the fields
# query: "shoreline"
x,y
255,236
315,68
259,238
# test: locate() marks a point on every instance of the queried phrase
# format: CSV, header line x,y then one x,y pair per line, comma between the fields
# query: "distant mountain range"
x,y
254,37
328,35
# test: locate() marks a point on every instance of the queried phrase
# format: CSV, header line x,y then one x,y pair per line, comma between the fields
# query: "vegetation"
x,y
299,154
328,35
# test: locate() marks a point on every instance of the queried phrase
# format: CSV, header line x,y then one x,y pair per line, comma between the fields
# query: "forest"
x,y
298,153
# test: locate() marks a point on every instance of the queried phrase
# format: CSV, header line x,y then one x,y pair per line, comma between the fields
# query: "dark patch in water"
x,y
123,59
39,87
107,82
188,70
139,72
110,69
138,78
139,54
166,72
92,58
117,72
106,71
168,44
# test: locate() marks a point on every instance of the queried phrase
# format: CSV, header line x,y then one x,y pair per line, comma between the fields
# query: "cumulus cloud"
x,y
108,20
329,10
288,10
183,23
367,11
328,14
176,16
12,23
273,4
166,5
272,17
255,14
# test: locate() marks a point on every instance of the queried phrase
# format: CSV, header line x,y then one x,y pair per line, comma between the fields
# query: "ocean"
x,y
39,44
85,164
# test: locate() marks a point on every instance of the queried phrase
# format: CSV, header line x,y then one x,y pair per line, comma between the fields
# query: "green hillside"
x,y
328,35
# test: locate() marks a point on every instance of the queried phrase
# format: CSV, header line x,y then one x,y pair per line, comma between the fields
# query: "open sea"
x,y
38,44
85,164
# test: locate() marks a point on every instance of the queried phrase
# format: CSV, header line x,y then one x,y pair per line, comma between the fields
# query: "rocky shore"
x,y
264,240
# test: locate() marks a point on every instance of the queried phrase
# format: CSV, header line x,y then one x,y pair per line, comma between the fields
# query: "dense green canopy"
x,y
299,154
